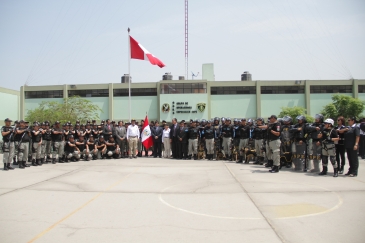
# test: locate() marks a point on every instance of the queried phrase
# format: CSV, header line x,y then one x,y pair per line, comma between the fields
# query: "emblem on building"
x,y
201,106
165,107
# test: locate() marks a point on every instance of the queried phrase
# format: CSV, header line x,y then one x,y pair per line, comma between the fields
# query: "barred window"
x,y
183,88
282,89
136,92
89,93
361,88
43,94
224,90
315,89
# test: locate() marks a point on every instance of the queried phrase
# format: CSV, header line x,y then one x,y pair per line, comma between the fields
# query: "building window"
x,y
233,90
361,89
282,89
136,92
183,88
89,93
316,89
43,94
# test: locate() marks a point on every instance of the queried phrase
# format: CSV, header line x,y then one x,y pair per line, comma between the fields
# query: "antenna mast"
x,y
186,39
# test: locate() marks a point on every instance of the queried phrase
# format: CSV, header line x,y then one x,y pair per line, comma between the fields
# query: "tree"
x,y
72,109
295,111
343,105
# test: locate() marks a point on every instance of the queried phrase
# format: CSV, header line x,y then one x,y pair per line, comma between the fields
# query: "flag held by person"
x,y
141,53
147,139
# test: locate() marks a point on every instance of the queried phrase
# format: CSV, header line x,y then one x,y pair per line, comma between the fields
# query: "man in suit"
x,y
182,140
108,130
156,132
173,139
120,134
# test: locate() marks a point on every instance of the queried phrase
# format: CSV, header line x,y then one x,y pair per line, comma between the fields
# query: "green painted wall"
x,y
9,106
140,105
233,106
272,103
318,101
192,99
103,104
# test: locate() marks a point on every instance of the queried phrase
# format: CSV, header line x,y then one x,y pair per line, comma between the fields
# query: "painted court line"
x,y
79,208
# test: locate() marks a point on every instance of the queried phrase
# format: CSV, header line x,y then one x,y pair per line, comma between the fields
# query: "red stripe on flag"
x,y
136,50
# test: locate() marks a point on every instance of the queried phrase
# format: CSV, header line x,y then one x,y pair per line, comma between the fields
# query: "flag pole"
x,y
129,74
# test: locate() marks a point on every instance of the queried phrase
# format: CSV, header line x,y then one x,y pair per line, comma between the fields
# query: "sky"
x,y
86,41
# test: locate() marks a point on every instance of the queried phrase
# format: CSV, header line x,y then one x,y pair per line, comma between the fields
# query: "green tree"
x,y
71,109
295,111
343,105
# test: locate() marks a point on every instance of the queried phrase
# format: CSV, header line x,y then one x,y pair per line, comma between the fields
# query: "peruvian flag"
x,y
141,53
147,139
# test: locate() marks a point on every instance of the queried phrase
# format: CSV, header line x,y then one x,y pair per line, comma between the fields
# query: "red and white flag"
x,y
141,53
147,139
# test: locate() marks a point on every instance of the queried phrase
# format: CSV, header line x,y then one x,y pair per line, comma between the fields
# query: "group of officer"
x,y
276,141
302,146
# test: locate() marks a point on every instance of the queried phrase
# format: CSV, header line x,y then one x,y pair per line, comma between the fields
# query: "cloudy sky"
x,y
85,41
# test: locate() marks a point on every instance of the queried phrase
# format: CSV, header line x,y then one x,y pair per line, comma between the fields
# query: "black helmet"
x,y
250,120
197,120
301,117
204,121
243,119
319,117
216,119
235,120
259,119
228,119
287,119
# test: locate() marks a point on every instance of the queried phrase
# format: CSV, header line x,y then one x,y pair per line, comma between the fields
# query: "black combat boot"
x,y
33,162
140,154
20,164
15,162
29,158
240,159
335,172
53,161
195,157
256,161
48,159
25,164
340,170
6,166
269,163
288,165
38,162
43,161
9,167
324,171
275,169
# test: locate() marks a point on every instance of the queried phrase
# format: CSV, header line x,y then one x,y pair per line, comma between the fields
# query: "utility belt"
x,y
270,140
328,146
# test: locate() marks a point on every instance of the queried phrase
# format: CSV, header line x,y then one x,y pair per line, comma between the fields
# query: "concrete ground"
x,y
164,200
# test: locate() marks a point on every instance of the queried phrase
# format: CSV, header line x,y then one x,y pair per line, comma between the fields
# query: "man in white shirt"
x,y
132,137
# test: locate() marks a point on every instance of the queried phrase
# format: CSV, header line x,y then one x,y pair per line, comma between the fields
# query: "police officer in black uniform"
x,y
316,151
286,141
227,133
209,137
193,135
